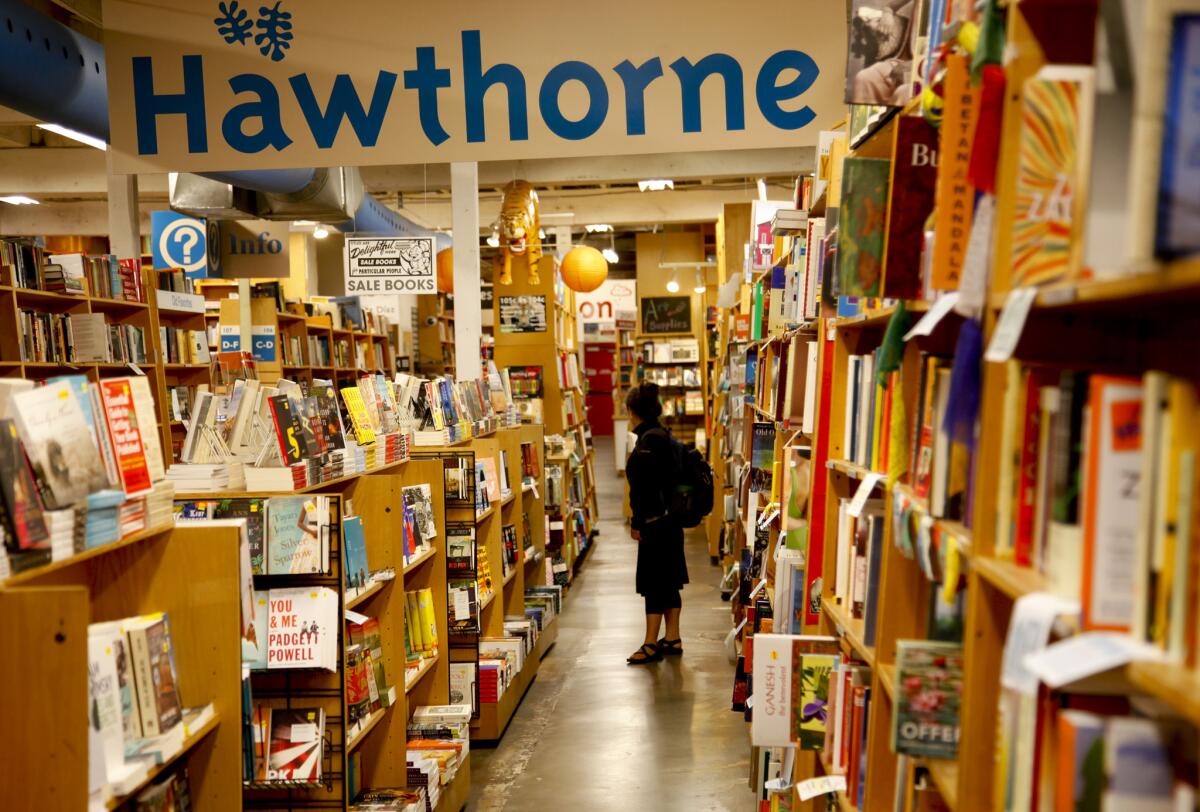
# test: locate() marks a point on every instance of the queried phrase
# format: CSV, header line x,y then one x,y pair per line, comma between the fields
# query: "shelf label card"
x,y
933,317
1028,633
1011,325
1086,655
821,785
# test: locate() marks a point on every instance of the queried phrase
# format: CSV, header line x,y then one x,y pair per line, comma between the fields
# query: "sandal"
x,y
646,654
670,647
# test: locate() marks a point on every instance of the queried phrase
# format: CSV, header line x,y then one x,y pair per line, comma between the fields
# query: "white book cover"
x,y
59,444
844,545
808,422
143,404
104,694
1111,508
771,717
89,331
302,628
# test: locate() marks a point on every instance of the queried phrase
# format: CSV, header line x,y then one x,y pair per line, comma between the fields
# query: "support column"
x,y
124,226
468,322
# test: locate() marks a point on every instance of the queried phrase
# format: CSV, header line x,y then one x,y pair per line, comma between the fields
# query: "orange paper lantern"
x,y
584,269
445,270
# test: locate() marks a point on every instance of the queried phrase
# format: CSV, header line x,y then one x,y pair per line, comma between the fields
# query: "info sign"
x,y
382,265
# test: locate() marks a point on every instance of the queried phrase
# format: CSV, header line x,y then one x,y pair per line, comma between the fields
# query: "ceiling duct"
x,y
332,196
210,199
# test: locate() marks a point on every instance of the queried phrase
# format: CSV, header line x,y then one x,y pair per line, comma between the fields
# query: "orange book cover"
x,y
1113,462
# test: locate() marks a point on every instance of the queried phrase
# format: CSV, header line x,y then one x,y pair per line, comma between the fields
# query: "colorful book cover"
x,y
297,736
364,434
122,424
303,628
254,651
154,673
1053,167
914,178
289,430
293,535
929,685
354,543
460,549
420,499
762,457
861,227
813,663
329,416
21,502
491,478
955,207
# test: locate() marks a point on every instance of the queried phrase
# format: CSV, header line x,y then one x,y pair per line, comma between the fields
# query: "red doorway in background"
x,y
599,365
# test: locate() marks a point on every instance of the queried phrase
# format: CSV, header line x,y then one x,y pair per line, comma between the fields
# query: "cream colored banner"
x,y
210,85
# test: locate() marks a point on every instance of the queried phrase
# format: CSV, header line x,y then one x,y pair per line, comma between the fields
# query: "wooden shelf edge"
x,y
374,719
189,742
852,630
1012,580
419,560
487,601
86,555
1175,685
511,575
362,597
427,664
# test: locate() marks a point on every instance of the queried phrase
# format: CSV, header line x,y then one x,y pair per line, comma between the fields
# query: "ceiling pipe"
x,y
56,74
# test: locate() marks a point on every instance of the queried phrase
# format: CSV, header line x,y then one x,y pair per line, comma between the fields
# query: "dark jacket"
x,y
661,563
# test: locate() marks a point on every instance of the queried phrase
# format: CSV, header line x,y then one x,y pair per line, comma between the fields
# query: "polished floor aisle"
x,y
596,734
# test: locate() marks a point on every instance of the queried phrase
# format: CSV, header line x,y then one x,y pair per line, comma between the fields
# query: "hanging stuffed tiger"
x,y
519,230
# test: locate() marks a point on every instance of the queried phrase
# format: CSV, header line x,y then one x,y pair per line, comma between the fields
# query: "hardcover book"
x,y
154,673
58,443
121,422
1053,168
791,688
364,434
22,508
914,178
1177,231
289,429
929,685
861,225
296,745
354,543
762,457
460,549
303,628
294,528
420,499
253,510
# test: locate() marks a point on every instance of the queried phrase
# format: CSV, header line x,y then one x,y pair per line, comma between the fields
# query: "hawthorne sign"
x,y
200,85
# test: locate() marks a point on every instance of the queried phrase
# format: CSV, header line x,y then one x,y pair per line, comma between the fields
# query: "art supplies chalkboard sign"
x,y
666,314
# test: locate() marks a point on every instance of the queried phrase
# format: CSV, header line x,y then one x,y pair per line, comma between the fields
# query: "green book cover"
x,y
861,229
929,685
756,324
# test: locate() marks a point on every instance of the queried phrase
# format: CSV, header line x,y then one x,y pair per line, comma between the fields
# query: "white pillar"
x,y
124,231
468,322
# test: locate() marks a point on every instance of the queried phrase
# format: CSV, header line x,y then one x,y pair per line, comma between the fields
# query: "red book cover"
x,y
913,190
286,430
885,426
1025,503
120,418
816,535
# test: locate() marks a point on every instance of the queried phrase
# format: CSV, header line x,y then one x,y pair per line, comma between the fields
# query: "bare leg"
x,y
652,624
672,617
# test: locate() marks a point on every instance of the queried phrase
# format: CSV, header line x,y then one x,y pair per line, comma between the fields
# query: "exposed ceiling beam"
x,y
83,218
620,169
616,207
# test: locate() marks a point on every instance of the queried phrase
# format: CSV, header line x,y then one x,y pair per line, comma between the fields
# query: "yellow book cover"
x,y
419,642
429,630
363,433
877,427
366,391
1180,487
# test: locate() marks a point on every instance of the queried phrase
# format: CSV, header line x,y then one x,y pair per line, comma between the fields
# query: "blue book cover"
x,y
874,565
1178,222
354,542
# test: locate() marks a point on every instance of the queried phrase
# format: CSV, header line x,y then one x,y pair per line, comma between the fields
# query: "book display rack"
x,y
934,537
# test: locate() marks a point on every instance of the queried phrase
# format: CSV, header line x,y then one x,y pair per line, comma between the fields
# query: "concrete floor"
x,y
596,734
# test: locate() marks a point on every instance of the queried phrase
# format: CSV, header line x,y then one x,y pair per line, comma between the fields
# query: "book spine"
x,y
144,680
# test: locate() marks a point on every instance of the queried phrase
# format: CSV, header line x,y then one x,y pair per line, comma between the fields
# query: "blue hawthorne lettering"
x,y
770,93
426,78
344,103
597,110
691,76
636,80
150,105
476,83
265,108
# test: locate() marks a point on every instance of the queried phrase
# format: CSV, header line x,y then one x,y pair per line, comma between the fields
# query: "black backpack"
x,y
690,499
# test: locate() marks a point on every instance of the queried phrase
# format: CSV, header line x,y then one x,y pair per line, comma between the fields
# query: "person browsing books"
x,y
661,567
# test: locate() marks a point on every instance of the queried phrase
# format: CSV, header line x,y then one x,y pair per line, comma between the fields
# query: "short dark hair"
x,y
643,401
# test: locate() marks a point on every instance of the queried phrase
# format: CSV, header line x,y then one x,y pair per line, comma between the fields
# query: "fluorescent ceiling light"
x,y
655,185
18,200
304,223
74,135
599,228
320,232
610,255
